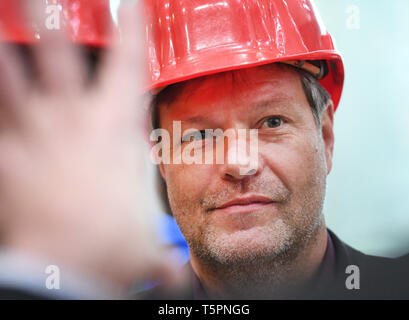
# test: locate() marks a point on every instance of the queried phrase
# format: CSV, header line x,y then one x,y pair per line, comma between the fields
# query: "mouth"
x,y
245,204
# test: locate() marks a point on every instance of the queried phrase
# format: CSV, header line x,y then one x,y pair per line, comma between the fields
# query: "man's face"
x,y
274,210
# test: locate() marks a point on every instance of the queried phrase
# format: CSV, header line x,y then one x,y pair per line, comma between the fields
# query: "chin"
x,y
250,245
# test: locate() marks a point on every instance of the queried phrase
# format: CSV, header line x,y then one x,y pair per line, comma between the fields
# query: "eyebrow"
x,y
196,119
268,102
276,99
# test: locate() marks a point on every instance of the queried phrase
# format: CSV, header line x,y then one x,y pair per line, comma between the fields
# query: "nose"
x,y
241,158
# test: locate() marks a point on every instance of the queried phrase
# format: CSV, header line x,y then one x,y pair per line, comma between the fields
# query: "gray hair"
x,y
318,97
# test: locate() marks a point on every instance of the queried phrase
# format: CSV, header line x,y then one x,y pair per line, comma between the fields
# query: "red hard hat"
x,y
192,38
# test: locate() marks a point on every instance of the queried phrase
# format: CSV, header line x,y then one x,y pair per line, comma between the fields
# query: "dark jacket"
x,y
379,278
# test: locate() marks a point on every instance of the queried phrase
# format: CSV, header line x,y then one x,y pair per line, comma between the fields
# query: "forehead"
x,y
233,89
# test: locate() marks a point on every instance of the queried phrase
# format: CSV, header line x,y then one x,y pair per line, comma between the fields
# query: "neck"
x,y
268,278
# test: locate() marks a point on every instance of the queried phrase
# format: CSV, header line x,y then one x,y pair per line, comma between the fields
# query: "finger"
x,y
57,62
13,84
123,67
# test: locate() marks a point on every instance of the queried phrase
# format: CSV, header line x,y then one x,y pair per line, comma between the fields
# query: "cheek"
x,y
186,185
297,163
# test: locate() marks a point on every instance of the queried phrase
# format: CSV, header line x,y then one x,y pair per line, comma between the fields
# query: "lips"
x,y
244,204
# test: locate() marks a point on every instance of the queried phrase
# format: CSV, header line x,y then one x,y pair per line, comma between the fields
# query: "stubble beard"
x,y
257,263
280,238
263,256
278,241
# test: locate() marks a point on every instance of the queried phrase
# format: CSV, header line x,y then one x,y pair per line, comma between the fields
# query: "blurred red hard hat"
x,y
88,22
192,38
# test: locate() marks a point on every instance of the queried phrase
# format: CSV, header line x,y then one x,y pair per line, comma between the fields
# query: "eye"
x,y
273,122
197,135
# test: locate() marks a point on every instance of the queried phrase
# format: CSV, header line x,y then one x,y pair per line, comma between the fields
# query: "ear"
x,y
161,166
162,170
327,132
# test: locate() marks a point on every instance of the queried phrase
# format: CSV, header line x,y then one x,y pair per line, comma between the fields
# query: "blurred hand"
x,y
71,159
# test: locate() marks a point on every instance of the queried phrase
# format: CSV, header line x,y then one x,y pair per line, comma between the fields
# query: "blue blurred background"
x,y
367,202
